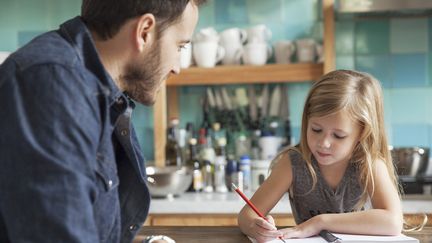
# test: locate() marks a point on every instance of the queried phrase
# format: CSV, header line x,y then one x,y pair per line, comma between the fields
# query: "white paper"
x,y
346,238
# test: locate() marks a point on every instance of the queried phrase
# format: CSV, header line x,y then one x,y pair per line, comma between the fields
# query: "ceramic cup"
x,y
207,53
256,53
306,50
205,35
283,51
259,33
186,56
232,41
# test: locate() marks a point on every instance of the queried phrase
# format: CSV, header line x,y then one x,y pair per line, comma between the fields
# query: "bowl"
x,y
168,181
411,161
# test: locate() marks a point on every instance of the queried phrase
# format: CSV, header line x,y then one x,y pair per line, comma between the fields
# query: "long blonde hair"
x,y
360,95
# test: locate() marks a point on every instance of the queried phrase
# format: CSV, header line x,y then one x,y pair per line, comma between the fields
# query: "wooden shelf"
x,y
272,73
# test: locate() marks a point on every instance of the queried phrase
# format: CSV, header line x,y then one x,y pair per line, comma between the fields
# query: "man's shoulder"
x,y
48,48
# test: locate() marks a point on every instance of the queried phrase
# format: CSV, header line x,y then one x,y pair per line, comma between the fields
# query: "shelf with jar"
x,y
166,105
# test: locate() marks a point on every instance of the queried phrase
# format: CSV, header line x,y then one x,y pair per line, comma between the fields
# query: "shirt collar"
x,y
78,35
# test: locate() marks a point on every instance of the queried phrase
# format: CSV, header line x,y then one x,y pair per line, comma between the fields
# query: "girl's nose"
x,y
324,143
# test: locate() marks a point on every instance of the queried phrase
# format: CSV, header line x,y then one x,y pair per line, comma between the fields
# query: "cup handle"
x,y
269,52
220,54
243,35
238,55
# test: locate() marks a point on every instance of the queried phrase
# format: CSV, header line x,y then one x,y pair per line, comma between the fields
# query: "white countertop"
x,y
231,203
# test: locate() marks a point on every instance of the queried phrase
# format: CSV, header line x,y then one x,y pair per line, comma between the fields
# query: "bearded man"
x,y
71,166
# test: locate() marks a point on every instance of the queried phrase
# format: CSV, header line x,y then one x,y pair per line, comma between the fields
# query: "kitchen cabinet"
x,y
238,75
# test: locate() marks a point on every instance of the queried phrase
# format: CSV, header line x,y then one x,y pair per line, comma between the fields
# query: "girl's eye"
x,y
316,130
339,137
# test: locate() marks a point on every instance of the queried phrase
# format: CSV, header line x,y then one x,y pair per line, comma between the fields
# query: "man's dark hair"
x,y
106,17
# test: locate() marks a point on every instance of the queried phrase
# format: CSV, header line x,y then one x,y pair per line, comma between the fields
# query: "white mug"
x,y
207,53
306,50
283,51
206,34
256,53
186,56
232,40
259,33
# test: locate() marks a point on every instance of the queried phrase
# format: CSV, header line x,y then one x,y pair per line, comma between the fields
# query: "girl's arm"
x,y
385,218
265,198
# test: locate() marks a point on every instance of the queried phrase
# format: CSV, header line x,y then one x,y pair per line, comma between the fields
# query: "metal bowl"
x,y
168,181
411,161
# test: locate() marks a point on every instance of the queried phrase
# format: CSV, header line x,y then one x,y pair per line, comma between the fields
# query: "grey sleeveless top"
x,y
306,203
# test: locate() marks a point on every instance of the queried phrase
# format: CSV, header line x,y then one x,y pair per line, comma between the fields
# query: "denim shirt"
x,y
71,169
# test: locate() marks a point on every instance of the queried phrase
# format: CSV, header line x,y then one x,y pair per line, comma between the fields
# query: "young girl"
x,y
341,162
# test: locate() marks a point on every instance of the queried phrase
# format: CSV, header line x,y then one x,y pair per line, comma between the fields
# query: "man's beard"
x,y
143,76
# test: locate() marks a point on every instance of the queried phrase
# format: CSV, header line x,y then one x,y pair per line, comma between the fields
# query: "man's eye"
x,y
181,47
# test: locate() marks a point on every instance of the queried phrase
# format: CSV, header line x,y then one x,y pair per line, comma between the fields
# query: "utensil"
x,y
168,181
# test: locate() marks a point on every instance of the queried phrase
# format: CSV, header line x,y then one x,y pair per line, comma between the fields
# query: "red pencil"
x,y
251,205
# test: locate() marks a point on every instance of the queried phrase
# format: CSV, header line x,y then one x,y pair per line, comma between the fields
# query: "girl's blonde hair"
x,y
360,95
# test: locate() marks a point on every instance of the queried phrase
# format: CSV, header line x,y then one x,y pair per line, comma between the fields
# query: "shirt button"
x,y
133,227
124,132
119,101
110,183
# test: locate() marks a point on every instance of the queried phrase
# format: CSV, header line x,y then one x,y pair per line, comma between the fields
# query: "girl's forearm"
x,y
372,222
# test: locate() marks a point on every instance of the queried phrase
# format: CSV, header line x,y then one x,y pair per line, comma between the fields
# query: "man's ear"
x,y
144,30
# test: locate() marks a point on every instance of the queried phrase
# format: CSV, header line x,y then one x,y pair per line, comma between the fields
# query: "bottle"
x,y
194,164
230,173
245,168
172,150
207,171
220,164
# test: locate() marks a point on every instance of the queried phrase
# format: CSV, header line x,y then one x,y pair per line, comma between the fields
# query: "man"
x,y
71,166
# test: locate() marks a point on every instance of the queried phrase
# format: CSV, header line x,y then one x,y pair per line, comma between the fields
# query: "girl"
x,y
341,162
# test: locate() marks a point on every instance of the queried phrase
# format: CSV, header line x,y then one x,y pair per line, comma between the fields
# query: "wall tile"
x,y
231,12
430,51
377,65
412,134
372,37
206,15
297,93
190,100
409,35
345,62
409,70
344,38
410,105
26,36
142,118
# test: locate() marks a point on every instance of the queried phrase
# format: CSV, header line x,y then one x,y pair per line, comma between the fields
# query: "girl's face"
x,y
332,138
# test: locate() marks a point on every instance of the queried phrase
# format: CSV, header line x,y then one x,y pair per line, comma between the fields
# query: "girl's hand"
x,y
308,228
264,230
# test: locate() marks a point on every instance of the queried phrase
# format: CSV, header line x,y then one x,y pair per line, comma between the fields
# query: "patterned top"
x,y
306,203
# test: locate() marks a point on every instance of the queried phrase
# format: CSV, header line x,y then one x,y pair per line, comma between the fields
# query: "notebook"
x,y
346,238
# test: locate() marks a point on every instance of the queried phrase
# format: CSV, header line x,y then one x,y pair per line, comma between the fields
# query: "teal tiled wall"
x,y
397,51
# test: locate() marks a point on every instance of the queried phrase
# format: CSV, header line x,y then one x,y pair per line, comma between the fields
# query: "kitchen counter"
x,y
231,203
217,234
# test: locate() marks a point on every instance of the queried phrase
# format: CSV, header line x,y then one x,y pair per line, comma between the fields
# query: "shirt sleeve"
x,y
49,136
